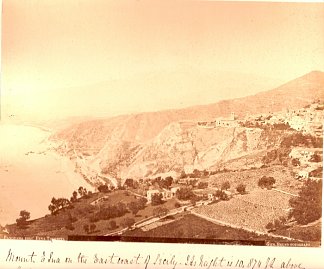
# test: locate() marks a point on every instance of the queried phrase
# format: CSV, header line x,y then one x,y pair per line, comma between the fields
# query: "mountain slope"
x,y
156,142
144,126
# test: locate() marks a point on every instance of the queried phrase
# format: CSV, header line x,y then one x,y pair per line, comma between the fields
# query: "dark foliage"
x,y
103,188
266,182
241,188
184,193
157,199
299,139
226,185
307,207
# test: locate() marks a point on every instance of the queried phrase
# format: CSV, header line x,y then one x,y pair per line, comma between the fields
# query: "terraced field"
x,y
253,211
284,180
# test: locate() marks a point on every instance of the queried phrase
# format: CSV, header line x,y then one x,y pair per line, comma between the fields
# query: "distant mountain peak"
x,y
315,74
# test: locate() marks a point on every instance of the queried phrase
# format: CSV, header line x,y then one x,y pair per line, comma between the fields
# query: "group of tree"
x,y
89,228
298,139
195,174
221,195
266,182
137,205
280,155
160,211
111,211
131,183
58,204
202,185
316,158
157,199
318,172
307,207
277,224
127,222
22,221
281,126
103,188
185,193
164,183
82,192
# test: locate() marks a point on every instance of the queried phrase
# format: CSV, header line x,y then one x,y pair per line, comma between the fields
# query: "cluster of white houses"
x,y
307,120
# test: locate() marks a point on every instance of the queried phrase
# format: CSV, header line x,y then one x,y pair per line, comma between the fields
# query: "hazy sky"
x,y
89,57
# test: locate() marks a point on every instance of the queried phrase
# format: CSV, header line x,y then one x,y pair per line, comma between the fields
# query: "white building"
x,y
166,194
227,122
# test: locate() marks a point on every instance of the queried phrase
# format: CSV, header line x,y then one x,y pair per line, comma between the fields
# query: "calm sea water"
x,y
31,173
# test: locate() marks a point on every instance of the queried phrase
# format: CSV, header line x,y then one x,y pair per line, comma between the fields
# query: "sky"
x,y
102,58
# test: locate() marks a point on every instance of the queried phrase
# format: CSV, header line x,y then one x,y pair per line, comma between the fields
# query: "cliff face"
x,y
178,149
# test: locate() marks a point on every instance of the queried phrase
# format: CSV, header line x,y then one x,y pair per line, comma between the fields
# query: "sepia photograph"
x,y
178,122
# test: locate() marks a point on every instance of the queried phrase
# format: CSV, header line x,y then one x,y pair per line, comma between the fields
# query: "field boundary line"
x,y
226,224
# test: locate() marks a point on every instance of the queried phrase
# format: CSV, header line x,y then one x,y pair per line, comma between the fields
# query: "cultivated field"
x,y
253,211
284,179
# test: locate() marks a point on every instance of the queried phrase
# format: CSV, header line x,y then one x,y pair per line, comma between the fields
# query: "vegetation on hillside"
x,y
266,182
307,207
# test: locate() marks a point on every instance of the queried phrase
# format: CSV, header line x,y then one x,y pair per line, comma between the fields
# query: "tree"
x,y
57,204
316,158
279,223
157,199
92,227
112,225
134,207
266,182
129,182
127,222
221,195
184,193
23,217
196,173
121,209
202,185
241,188
194,199
183,175
318,172
167,182
25,214
103,188
225,186
142,202
86,228
307,207
74,197
295,162
82,191
160,211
